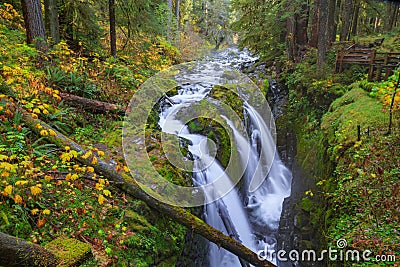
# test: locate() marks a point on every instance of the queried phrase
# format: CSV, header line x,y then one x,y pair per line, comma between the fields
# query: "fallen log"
x,y
18,252
91,105
129,185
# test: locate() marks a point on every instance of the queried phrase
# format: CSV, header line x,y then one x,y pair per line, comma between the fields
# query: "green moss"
x,y
355,108
69,251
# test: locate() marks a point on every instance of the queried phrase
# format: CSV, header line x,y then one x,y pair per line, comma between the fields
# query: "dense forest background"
x,y
69,68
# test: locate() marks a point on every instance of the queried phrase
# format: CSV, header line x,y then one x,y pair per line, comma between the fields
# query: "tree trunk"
x,y
113,33
177,11
331,29
346,20
51,20
34,25
91,105
301,25
336,23
314,25
322,34
18,252
129,185
169,21
355,18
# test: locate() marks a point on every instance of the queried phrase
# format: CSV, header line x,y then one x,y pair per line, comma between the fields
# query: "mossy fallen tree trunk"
x,y
129,185
91,105
18,252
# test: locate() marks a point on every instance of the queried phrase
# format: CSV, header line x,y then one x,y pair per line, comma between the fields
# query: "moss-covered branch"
x,y
18,252
129,185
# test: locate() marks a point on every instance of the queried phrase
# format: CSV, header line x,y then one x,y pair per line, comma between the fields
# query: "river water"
x,y
249,212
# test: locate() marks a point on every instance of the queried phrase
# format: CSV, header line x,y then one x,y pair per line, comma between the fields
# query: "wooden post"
x,y
358,133
371,65
385,65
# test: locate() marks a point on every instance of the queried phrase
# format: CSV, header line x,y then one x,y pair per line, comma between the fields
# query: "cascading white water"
x,y
255,210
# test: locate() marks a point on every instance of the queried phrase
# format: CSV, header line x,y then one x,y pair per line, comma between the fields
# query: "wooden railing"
x,y
381,64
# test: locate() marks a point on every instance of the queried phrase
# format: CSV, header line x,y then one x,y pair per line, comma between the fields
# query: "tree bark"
x,y
130,186
336,23
346,20
34,24
91,105
113,33
18,252
355,18
331,29
314,25
51,20
177,11
322,34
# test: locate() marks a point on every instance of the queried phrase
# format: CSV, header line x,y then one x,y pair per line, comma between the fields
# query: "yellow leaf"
x,y
36,110
44,133
39,126
99,186
3,157
8,190
94,160
74,177
100,153
100,199
35,190
21,182
34,211
47,178
46,212
45,111
52,133
90,169
34,116
87,154
107,193
68,177
18,199
67,148
126,169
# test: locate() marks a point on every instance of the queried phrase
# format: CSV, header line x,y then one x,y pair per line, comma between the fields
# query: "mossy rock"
x,y
70,251
354,108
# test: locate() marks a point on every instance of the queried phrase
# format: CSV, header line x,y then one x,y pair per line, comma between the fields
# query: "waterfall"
x,y
250,213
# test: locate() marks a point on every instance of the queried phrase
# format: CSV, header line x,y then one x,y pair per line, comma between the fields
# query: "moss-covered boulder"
x,y
70,251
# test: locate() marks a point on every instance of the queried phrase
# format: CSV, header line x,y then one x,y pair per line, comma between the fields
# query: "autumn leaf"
x,y
35,190
44,133
107,193
41,223
87,154
94,160
21,182
18,199
8,190
46,212
34,211
52,133
100,199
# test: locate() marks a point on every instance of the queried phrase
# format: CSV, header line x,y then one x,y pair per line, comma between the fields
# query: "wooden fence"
x,y
381,64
